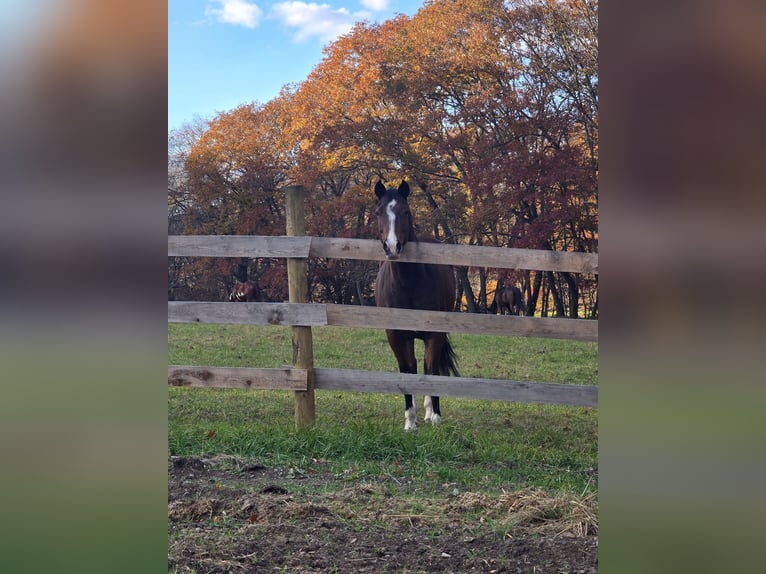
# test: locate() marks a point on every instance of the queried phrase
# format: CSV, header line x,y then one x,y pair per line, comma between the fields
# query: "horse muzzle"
x,y
392,254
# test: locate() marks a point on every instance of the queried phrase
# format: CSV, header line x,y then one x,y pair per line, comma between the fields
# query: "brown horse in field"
x,y
412,286
243,292
508,298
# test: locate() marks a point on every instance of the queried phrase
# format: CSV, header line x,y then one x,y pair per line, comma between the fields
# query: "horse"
x,y
509,297
412,286
243,292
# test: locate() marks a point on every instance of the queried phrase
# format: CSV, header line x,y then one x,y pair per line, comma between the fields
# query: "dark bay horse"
x,y
510,298
412,286
243,292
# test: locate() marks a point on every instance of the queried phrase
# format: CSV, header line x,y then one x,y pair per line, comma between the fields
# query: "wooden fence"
x,y
301,315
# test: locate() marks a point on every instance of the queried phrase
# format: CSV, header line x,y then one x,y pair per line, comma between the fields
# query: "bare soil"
x,y
229,515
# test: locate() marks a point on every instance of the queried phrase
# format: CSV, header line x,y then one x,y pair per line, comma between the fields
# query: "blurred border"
x,y
83,115
682,273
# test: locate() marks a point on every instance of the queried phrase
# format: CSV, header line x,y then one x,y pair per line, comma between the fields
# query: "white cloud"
x,y
375,5
320,20
236,12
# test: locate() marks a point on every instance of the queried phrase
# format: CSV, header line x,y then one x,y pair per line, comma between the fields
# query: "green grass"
x,y
486,445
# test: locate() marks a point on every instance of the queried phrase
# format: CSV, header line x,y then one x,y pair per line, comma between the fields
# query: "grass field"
x,y
485,445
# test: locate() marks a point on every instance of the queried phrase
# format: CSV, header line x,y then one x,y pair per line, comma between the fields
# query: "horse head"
x,y
242,291
394,218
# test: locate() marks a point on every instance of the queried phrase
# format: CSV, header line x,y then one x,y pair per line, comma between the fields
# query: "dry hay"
x,y
363,491
468,501
195,511
533,508
264,508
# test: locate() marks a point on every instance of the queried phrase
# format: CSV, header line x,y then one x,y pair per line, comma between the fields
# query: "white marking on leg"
x,y
391,239
431,416
411,419
428,407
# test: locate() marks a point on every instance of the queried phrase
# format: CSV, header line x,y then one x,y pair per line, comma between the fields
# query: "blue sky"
x,y
224,53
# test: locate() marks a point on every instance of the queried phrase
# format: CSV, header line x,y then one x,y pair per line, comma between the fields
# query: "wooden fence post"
x,y
297,279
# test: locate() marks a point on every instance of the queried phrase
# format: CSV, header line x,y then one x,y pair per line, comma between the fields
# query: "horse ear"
x,y
404,189
380,189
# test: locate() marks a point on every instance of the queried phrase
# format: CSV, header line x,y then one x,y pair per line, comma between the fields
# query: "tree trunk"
x,y
465,287
483,290
574,294
534,294
557,302
594,310
450,238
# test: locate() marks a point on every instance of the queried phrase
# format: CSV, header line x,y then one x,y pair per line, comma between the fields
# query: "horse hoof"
x,y
410,419
436,419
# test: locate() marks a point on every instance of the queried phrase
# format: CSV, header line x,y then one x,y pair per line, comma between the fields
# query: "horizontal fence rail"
x,y
238,246
321,314
237,378
465,387
446,321
369,249
293,314
384,383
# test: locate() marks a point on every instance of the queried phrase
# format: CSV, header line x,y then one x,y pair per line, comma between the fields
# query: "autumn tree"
x,y
488,107
180,142
235,174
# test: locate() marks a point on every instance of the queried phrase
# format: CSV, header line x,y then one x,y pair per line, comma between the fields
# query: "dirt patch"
x,y
228,515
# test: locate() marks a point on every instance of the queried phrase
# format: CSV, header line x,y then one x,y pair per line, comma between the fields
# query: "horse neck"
x,y
405,272
408,273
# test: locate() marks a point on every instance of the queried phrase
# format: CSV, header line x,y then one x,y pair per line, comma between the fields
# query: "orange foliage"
x,y
489,108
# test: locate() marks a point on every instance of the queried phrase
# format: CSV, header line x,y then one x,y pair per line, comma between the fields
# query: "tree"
x,y
488,107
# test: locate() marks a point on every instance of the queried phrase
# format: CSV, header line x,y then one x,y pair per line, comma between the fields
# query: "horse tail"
x,y
447,361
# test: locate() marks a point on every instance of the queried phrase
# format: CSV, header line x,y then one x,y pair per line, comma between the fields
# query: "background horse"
x,y
243,292
412,286
510,298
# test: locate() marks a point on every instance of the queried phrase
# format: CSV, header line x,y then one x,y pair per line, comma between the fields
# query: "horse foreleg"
x,y
404,351
410,414
434,349
433,413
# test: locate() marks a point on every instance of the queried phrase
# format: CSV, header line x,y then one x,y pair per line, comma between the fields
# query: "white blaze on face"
x,y
391,239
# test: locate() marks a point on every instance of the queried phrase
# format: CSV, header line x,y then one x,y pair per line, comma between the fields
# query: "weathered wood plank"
x,y
237,378
246,313
346,248
369,249
308,314
470,255
385,383
444,321
297,284
238,246
470,388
